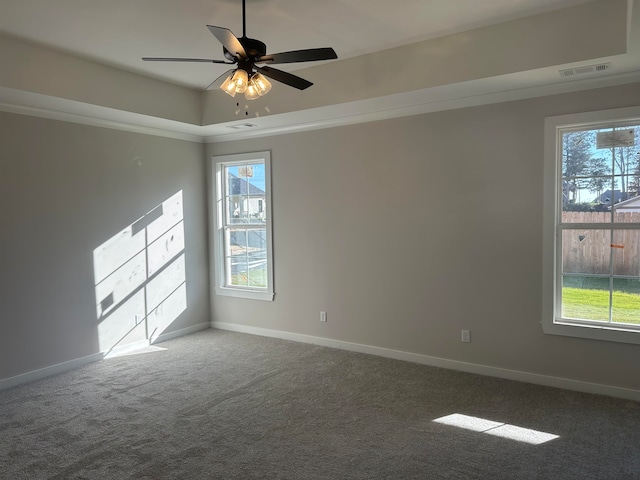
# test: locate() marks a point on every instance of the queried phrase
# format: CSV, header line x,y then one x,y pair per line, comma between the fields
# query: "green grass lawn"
x,y
590,304
255,278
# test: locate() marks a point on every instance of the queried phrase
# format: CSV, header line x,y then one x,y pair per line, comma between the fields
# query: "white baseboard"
x,y
557,382
125,349
163,337
48,371
79,362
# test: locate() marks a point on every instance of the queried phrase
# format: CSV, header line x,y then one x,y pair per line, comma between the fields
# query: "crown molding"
x,y
55,108
97,122
447,97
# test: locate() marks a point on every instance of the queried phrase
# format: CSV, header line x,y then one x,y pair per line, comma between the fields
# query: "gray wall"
x,y
64,190
407,231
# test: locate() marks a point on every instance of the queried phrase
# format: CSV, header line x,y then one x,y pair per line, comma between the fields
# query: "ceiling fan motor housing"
x,y
252,47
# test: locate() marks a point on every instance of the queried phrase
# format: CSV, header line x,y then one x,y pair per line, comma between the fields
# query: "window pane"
x,y
586,251
624,153
585,298
237,267
587,198
257,178
247,257
237,207
600,168
257,209
257,258
586,173
594,214
246,197
578,148
626,301
625,250
258,277
627,209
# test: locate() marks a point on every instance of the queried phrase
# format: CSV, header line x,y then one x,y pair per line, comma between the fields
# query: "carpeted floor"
x,y
221,405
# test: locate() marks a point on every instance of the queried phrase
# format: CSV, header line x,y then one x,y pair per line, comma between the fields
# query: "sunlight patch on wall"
x,y
497,429
140,277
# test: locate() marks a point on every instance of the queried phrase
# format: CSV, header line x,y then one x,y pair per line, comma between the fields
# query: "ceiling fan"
x,y
249,77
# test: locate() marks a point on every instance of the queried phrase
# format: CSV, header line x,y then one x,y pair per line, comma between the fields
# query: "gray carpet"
x,y
221,405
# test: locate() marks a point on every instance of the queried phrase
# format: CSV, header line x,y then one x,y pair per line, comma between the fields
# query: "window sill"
x,y
593,332
245,293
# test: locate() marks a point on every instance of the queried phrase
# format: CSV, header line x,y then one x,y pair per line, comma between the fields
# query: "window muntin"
x,y
596,227
243,226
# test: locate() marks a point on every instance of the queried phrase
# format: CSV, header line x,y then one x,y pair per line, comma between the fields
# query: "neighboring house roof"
x,y
240,186
606,196
630,204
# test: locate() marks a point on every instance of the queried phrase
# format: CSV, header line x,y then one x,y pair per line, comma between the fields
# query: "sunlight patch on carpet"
x,y
497,429
134,351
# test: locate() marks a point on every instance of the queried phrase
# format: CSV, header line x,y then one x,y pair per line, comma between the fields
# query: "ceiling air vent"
x,y
241,126
572,72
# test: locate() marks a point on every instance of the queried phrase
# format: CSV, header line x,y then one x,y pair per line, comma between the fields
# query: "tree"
x,y
634,184
625,161
598,170
582,170
576,156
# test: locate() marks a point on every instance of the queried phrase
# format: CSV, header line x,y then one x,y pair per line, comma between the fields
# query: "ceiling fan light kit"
x,y
248,77
239,81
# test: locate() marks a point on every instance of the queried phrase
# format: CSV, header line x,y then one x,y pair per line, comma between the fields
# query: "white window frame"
x,y
552,323
218,163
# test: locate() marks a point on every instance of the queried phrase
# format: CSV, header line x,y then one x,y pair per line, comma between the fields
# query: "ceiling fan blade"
x,y
309,55
228,40
285,77
218,81
171,59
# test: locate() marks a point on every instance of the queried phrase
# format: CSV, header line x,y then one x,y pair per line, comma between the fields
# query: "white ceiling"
x,y
119,32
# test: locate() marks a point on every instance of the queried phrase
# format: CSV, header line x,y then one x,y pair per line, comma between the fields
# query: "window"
x,y
591,249
243,258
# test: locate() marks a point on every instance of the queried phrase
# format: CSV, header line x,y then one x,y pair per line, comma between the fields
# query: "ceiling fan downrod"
x,y
244,19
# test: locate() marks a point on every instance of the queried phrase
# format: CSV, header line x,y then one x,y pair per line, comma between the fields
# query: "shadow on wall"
x,y
140,279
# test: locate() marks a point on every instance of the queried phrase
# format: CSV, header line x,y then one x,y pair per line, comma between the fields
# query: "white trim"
x,y
244,293
98,122
125,349
434,99
551,198
163,337
79,362
537,379
48,371
586,119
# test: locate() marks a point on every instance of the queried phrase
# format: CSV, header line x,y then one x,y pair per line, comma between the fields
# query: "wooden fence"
x,y
588,250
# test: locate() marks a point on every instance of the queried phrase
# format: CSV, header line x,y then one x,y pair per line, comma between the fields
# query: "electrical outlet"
x,y
466,336
323,316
